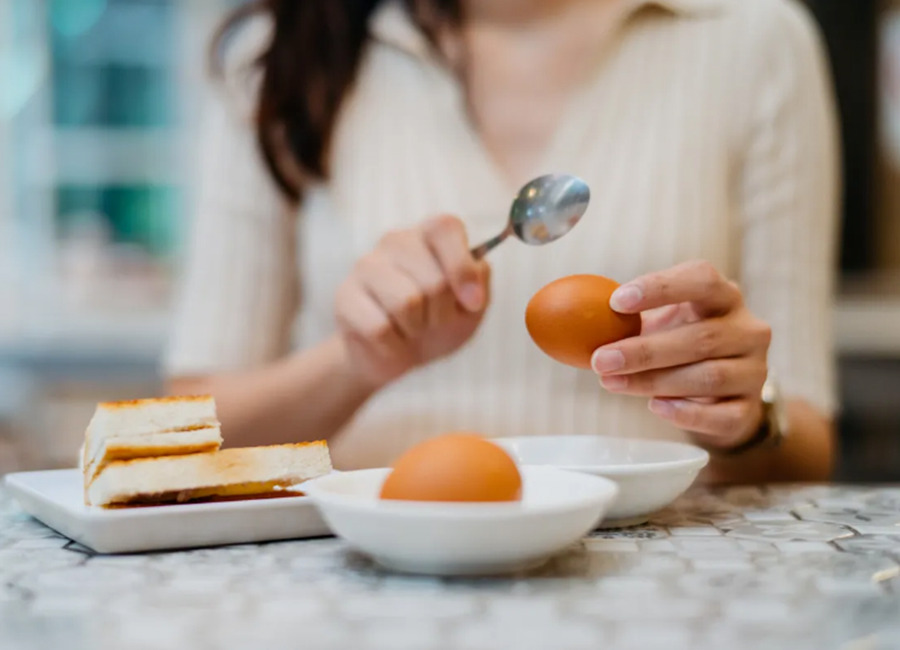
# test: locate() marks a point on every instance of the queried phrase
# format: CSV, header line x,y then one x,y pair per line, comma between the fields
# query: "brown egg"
x,y
454,467
571,317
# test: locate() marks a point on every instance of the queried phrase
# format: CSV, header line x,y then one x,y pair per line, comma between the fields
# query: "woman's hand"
x,y
700,357
418,296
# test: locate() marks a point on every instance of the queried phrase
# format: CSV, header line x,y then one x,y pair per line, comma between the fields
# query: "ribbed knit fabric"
x,y
707,131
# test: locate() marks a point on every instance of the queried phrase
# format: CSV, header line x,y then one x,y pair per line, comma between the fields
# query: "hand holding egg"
x,y
418,296
701,356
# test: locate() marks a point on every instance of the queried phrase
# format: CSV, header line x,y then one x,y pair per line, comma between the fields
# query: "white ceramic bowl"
x,y
556,510
650,474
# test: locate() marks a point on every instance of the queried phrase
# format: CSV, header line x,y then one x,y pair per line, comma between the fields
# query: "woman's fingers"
x,y
715,378
446,238
397,294
695,282
418,279
409,252
359,315
701,355
708,339
725,422
417,297
664,318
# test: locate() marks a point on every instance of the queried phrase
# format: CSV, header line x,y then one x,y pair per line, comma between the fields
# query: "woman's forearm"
x,y
806,454
309,395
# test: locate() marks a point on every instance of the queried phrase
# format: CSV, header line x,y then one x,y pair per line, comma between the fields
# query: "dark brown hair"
x,y
308,68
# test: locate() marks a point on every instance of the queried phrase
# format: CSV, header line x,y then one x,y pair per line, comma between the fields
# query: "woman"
x,y
705,130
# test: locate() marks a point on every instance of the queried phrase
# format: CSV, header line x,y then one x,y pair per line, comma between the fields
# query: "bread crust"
x,y
149,401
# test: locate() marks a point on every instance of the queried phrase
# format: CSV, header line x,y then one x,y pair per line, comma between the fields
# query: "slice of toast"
x,y
148,428
226,474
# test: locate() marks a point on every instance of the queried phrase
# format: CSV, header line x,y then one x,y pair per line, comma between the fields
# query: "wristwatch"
x,y
773,429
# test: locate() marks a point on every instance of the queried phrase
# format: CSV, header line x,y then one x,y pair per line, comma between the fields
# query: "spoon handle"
x,y
480,251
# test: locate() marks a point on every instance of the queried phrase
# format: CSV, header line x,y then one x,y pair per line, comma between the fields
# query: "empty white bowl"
x,y
650,474
557,509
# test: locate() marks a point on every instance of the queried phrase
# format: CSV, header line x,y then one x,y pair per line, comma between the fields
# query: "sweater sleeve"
x,y
789,191
238,285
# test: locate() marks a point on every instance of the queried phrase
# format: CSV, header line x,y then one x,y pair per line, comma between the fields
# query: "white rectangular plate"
x,y
56,498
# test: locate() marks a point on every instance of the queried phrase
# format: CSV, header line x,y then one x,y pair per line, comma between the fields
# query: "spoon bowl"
x,y
545,209
548,207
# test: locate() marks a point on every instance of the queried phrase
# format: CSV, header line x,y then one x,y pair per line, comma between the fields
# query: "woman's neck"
x,y
520,62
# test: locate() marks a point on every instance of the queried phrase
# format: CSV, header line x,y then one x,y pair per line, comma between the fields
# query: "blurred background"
x,y
98,103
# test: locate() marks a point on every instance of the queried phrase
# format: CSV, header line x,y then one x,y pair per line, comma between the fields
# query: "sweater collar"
x,y
392,25
686,8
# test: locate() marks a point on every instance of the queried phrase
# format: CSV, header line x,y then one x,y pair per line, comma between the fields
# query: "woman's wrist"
x,y
770,427
749,440
350,375
807,452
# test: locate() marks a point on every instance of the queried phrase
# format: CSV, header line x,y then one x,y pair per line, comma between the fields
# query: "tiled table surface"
x,y
779,567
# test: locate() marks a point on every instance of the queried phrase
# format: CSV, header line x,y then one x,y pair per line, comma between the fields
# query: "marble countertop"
x,y
778,567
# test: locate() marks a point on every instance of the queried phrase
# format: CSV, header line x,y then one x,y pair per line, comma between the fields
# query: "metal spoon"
x,y
545,209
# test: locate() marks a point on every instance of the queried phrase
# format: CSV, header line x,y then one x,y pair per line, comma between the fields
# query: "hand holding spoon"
x,y
545,209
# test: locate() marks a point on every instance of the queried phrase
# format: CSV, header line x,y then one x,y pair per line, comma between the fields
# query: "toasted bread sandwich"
x,y
149,428
239,473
